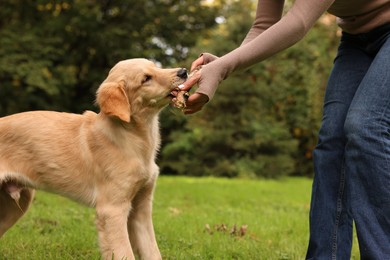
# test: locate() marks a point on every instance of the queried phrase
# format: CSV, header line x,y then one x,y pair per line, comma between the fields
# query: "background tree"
x,y
54,54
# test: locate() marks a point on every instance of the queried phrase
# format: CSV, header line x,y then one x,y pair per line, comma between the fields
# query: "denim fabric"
x,y
352,158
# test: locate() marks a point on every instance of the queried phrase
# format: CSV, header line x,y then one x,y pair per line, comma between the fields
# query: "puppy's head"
x,y
137,86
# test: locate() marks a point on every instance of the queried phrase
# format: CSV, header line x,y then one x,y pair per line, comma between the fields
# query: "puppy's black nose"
x,y
182,73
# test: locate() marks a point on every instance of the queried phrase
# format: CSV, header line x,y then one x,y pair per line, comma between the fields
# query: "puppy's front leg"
x,y
140,225
111,222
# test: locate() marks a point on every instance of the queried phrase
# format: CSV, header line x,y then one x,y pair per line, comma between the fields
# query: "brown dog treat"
x,y
182,96
181,99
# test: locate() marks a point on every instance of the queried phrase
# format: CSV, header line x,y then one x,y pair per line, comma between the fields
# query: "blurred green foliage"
x,y
54,54
262,121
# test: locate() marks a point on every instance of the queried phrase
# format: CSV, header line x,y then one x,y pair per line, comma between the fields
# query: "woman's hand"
x,y
198,62
196,101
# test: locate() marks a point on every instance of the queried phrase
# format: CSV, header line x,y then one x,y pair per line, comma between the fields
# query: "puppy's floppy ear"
x,y
113,101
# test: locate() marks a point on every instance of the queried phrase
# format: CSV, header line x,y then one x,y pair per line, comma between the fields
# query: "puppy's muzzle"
x,y
182,73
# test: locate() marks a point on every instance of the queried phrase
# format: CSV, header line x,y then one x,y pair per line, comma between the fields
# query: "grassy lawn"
x,y
193,217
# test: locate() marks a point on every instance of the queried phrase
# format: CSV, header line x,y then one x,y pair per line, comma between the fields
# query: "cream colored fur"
x,y
104,160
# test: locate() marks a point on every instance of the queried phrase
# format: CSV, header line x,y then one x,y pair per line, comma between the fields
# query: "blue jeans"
x,y
352,158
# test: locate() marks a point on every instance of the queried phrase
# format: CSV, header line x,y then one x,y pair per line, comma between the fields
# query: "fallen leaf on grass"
x,y
174,211
207,229
243,230
223,228
233,231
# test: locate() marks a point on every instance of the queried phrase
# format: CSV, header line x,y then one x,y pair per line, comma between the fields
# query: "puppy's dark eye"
x,y
146,79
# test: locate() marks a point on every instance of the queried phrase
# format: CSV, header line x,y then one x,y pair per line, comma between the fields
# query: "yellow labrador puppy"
x,y
104,160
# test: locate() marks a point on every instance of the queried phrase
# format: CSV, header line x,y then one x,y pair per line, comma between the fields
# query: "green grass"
x,y
188,216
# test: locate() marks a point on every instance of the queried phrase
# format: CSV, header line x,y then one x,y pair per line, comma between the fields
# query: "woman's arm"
x,y
268,13
281,35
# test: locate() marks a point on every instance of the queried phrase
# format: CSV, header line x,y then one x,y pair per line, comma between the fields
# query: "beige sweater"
x,y
272,33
